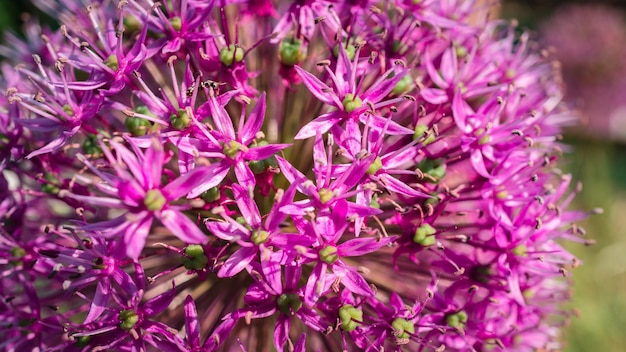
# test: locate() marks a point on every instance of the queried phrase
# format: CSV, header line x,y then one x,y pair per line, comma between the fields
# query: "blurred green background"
x,y
597,158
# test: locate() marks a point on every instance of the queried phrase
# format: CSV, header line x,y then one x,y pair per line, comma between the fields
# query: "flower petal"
x,y
237,261
181,226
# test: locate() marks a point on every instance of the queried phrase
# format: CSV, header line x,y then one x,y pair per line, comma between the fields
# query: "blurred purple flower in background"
x,y
308,175
586,42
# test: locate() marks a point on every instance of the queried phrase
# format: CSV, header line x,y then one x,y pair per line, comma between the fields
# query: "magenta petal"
x,y
293,175
321,124
172,46
460,111
361,246
432,71
247,206
272,271
385,84
135,236
353,281
181,226
223,122
153,164
186,182
159,303
226,231
316,87
100,301
55,144
254,122
132,162
217,173
397,186
449,64
192,327
315,284
479,163
281,331
389,126
434,95
244,175
264,152
301,344
237,261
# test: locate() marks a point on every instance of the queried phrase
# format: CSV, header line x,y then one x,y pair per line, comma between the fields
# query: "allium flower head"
x,y
288,175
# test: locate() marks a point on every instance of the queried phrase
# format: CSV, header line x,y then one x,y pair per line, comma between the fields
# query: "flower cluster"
x,y
297,175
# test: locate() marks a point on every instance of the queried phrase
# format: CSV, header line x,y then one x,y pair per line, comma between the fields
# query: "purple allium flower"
x,y
302,176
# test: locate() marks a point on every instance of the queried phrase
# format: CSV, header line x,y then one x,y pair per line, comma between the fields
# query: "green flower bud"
x,y
260,236
510,73
329,254
457,320
154,200
112,63
128,318
227,54
424,235
326,195
480,273
423,134
181,120
291,52
68,110
51,187
461,51
350,317
90,145
404,85
83,341
232,148
289,303
137,126
375,166
434,168
211,195
351,103
350,51
194,258
374,202
520,250
176,23
18,252
131,24
403,328
98,264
